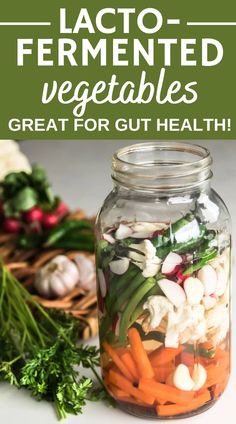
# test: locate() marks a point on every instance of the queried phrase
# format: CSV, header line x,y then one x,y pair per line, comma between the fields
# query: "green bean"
x,y
125,295
131,306
62,229
195,267
86,245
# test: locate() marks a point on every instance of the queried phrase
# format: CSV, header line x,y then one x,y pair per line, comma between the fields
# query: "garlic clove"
x,y
87,272
208,276
170,263
119,266
209,302
199,376
173,292
182,379
57,286
194,290
102,283
42,285
222,280
123,232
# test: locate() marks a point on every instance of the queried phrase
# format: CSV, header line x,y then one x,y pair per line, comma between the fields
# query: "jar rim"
x,y
162,165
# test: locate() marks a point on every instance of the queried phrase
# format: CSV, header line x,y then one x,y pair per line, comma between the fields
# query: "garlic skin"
x,y
57,278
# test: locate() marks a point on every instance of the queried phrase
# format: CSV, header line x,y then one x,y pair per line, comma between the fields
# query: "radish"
x,y
208,277
33,215
50,220
102,283
122,232
194,290
12,226
173,292
119,266
171,263
109,238
61,210
180,275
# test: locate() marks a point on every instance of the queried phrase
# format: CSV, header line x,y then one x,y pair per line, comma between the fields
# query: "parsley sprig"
x,y
38,351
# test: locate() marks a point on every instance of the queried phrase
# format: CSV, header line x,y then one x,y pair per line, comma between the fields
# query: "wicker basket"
x,y
24,264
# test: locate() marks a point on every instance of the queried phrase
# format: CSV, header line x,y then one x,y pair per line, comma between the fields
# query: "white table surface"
x,y
80,173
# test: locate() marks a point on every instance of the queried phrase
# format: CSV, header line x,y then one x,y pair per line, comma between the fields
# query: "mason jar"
x,y
163,272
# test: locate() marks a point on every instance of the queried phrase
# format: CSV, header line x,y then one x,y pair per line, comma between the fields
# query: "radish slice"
x,y
208,277
123,232
194,290
109,238
170,263
102,282
173,292
209,302
120,266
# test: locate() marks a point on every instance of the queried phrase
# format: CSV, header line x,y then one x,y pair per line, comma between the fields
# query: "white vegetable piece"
x,y
173,292
222,280
146,229
102,282
109,238
145,258
57,278
194,290
199,376
122,232
119,266
208,277
209,302
188,232
171,261
158,307
182,379
210,210
87,272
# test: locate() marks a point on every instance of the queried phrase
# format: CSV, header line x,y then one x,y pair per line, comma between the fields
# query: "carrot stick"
x,y
163,355
162,373
125,385
219,388
122,367
170,410
139,354
165,392
188,359
130,364
215,374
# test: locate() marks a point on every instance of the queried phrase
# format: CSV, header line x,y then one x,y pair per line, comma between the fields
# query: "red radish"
x,y
34,215
174,293
180,275
12,225
171,263
50,220
61,210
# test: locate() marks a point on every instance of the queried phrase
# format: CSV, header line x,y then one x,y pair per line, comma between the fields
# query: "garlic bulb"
x,y
57,278
87,272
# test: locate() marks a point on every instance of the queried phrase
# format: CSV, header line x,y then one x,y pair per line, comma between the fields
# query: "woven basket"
x,y
24,264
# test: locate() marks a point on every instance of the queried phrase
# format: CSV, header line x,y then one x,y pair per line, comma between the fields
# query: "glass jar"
x,y
163,268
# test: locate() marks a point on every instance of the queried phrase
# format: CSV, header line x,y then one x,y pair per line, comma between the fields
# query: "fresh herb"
x,y
38,350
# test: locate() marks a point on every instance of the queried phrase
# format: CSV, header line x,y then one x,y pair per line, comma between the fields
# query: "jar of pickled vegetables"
x,y
163,271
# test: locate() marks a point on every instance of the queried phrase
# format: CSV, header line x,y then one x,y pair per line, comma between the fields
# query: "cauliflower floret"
x,y
217,320
145,258
158,307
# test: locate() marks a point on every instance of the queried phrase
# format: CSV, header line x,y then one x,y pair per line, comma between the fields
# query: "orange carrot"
x,y
122,367
118,393
170,410
130,364
162,373
163,355
188,359
125,385
215,374
219,388
139,354
165,392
